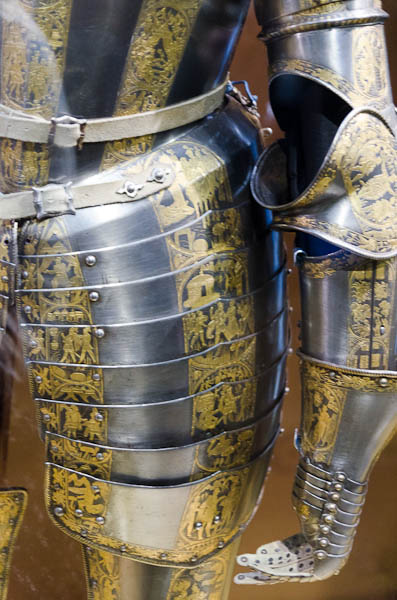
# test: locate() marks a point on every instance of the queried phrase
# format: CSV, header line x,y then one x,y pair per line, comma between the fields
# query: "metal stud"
x,y
290,350
38,379
25,274
99,417
338,487
217,519
78,512
320,555
332,375
163,555
100,520
198,525
221,544
335,497
325,529
90,260
323,542
46,417
96,377
328,519
94,583
4,279
383,382
84,533
94,296
331,506
54,448
99,456
341,477
99,333
193,559
27,309
95,488
382,330
287,389
33,344
123,548
58,511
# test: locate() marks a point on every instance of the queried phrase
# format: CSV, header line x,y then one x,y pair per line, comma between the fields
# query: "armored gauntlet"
x,y
334,182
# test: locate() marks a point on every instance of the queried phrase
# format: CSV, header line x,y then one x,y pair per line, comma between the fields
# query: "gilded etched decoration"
x,y
326,267
73,420
372,292
363,157
67,383
32,64
103,574
156,50
12,509
322,412
226,451
79,457
206,581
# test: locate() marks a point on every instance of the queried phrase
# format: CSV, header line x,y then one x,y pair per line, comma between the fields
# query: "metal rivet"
x,y
383,382
282,430
99,456
287,389
123,548
382,330
331,506
90,260
328,519
221,544
38,379
46,417
332,375
193,559
243,559
320,555
325,529
4,279
78,512
25,274
198,525
95,488
54,448
33,344
163,556
94,583
84,533
99,417
58,511
341,477
335,497
100,520
158,175
96,377
338,487
99,333
11,521
290,350
217,519
323,542
94,296
27,309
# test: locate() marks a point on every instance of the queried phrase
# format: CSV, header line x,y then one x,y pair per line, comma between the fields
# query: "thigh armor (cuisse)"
x,y
154,324
334,182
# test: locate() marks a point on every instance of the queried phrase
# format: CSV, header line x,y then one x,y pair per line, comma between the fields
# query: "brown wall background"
x,y
47,564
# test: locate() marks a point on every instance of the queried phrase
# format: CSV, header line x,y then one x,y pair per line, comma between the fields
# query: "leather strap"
x,y
59,199
69,132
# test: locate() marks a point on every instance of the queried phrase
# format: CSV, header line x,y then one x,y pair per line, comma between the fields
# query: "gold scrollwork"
x,y
79,457
103,574
54,382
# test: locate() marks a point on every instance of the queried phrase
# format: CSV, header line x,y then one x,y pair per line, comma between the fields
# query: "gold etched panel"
x,y
73,421
103,574
80,457
32,62
372,291
227,451
156,50
323,405
55,382
209,581
12,509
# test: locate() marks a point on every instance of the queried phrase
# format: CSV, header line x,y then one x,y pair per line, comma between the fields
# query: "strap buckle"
x,y
69,131
53,200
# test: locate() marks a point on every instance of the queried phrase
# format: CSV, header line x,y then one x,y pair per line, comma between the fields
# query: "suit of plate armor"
x,y
150,289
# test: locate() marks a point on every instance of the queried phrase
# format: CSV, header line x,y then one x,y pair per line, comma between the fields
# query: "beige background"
x,y
47,564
